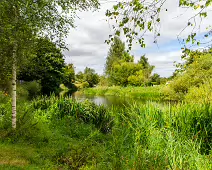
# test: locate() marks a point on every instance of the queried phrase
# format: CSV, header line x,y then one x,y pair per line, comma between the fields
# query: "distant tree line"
x,y
120,68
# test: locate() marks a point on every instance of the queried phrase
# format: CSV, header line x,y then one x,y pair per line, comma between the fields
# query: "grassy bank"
x,y
146,93
58,133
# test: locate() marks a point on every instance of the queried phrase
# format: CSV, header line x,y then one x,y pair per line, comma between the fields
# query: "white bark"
x,y
14,87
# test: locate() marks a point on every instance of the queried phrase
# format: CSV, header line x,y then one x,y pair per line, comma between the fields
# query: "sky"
x,y
87,48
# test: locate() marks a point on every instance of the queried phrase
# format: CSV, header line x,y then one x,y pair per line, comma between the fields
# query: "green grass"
x,y
146,93
58,133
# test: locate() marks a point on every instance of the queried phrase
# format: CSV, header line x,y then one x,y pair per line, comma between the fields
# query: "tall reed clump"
x,y
64,133
86,111
155,137
61,132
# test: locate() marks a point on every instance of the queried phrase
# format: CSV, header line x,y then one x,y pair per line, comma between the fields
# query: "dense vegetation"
x,y
145,93
120,68
51,131
88,78
61,133
193,79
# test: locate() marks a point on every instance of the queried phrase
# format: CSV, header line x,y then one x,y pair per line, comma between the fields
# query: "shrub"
x,y
33,88
201,94
22,93
5,111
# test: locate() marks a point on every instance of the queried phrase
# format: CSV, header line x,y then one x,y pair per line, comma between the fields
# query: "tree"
x,y
103,81
147,68
155,79
144,62
69,76
116,53
91,77
26,19
47,65
88,78
15,33
135,18
79,76
122,72
137,79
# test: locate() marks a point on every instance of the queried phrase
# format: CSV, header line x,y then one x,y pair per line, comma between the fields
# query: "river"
x,y
110,101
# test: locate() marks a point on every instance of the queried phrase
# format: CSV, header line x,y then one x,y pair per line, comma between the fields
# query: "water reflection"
x,y
107,100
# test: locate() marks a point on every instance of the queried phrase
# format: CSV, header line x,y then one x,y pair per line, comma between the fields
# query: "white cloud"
x,y
163,62
87,47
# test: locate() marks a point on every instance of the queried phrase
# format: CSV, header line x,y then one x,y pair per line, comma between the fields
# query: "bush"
x,y
82,85
5,111
22,93
4,97
33,88
201,94
194,76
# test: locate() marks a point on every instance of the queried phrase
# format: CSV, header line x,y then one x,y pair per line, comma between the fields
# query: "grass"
x,y
59,133
145,93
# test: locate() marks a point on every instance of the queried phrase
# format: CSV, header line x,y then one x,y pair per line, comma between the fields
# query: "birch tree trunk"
x,y
14,86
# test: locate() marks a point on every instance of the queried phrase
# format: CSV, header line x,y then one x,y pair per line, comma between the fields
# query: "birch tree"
x,y
24,20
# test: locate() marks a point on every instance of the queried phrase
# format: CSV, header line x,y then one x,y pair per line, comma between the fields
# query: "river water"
x,y
110,101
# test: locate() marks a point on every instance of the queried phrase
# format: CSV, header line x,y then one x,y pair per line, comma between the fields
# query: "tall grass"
x,y
172,137
146,93
62,133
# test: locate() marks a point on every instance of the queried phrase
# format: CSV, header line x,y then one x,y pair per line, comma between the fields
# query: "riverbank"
x,y
145,93
59,133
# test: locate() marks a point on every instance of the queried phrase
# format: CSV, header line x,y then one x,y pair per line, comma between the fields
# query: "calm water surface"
x,y
110,101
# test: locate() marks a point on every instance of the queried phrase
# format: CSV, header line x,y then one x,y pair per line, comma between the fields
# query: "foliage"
x,y
120,68
136,18
47,66
103,81
62,133
137,79
116,53
155,79
91,77
23,21
69,75
194,76
146,66
201,94
145,93
121,72
87,79
33,88
82,85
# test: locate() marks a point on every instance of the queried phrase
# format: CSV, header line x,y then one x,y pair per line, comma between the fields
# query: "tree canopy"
x,y
22,21
135,18
46,66
121,69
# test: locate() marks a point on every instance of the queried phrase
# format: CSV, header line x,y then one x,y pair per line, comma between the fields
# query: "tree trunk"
x,y
14,86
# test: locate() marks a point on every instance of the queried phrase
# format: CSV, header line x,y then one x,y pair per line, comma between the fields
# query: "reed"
x,y
62,133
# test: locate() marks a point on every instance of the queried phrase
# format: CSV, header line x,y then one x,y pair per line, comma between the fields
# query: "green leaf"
x,y
203,14
117,33
115,7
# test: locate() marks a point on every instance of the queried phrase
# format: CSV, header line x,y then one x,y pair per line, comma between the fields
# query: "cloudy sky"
x,y
87,48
